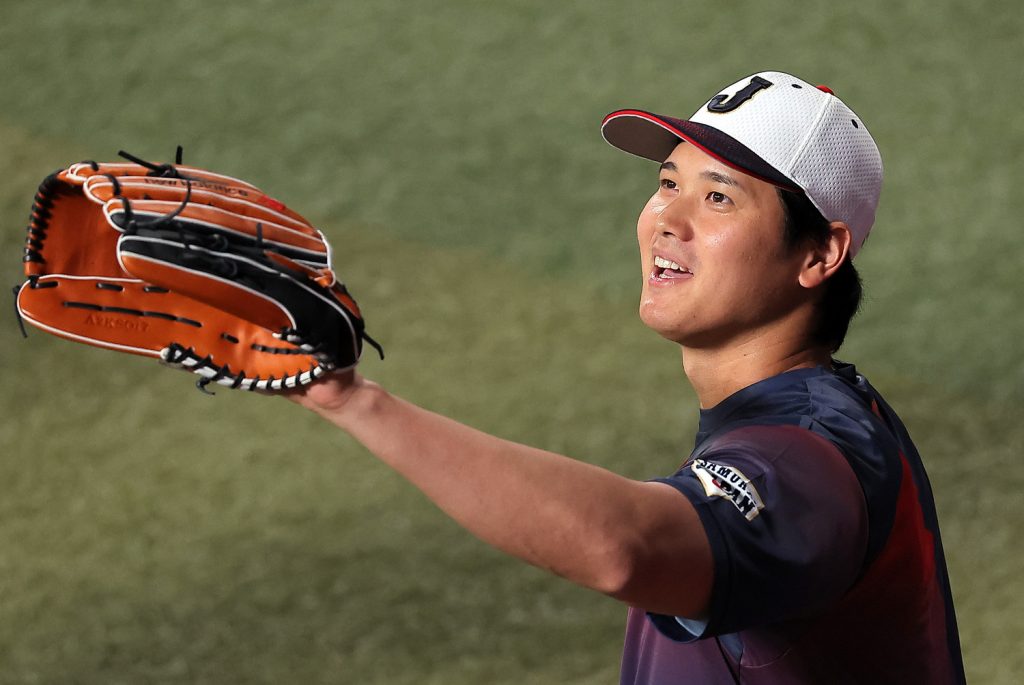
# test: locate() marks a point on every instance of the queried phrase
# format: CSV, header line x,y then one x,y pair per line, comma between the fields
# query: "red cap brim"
x,y
653,137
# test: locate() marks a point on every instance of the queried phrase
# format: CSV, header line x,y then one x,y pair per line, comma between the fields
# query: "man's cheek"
x,y
649,217
656,205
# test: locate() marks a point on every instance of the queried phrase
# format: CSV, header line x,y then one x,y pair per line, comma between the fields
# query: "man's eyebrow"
x,y
719,177
714,176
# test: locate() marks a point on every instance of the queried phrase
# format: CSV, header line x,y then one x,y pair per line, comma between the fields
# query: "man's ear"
x,y
823,259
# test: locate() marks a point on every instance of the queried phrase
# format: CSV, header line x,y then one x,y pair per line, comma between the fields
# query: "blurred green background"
x,y
450,150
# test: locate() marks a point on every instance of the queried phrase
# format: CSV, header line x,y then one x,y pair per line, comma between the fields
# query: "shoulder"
x,y
787,448
779,469
840,412
771,440
785,518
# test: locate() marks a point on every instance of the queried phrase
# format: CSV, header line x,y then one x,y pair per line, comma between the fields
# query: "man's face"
x,y
714,264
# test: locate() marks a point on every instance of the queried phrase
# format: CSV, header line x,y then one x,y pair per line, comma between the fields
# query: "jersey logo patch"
x,y
720,480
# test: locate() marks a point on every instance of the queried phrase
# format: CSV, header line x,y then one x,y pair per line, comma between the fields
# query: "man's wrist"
x,y
354,404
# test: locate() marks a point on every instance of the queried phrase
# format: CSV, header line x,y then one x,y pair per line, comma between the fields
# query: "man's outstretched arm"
x,y
639,542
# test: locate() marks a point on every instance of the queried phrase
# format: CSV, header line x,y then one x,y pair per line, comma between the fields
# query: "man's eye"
x,y
668,184
718,198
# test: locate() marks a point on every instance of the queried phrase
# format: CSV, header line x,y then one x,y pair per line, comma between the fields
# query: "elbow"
x,y
619,570
654,556
649,579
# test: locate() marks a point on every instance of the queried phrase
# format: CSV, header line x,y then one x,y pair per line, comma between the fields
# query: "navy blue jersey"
x,y
828,567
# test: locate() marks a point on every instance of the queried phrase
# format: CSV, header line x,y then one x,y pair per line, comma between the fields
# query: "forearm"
x,y
541,507
577,520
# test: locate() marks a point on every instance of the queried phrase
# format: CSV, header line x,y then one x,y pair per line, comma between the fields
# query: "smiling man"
x,y
798,543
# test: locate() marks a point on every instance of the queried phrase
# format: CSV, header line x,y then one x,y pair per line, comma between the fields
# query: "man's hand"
x,y
330,394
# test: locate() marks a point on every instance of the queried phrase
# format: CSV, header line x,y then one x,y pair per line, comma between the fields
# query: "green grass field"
x,y
450,150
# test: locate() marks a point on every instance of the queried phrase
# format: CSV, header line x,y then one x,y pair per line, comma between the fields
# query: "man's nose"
x,y
675,220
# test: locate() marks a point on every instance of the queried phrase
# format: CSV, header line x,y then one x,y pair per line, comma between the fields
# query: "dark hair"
x,y
843,290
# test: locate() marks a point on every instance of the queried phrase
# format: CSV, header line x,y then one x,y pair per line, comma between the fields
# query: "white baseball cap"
x,y
779,129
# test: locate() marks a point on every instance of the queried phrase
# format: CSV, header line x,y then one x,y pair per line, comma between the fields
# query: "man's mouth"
x,y
667,269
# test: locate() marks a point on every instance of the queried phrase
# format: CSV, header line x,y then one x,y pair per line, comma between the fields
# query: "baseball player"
x,y
798,543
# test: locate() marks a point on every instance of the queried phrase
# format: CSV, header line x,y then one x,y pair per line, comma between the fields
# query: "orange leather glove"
x,y
200,270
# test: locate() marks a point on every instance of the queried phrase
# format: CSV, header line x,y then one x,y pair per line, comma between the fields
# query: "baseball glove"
x,y
200,270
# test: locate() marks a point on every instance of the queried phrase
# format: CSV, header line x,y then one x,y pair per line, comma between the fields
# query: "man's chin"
x,y
664,326
685,337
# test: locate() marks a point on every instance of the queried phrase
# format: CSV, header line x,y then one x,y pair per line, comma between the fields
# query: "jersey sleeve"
x,y
786,520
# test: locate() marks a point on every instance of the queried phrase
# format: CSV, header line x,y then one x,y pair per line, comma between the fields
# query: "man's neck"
x,y
718,373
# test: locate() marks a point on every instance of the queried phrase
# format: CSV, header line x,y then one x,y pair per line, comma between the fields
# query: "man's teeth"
x,y
663,263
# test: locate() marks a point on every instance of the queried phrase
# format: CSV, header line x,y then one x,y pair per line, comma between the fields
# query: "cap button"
x,y
826,89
